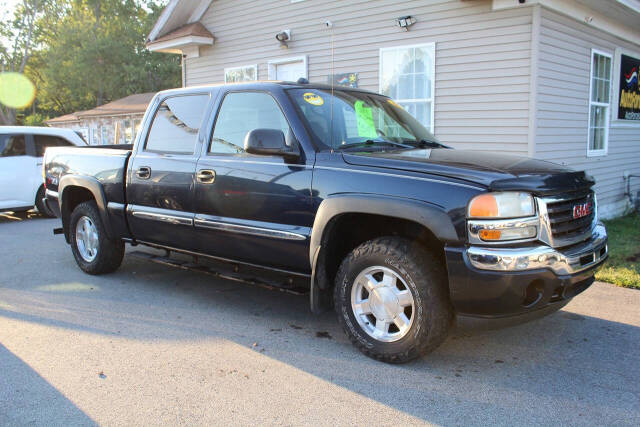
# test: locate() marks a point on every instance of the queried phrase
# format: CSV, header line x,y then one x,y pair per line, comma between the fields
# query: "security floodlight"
x,y
405,22
283,37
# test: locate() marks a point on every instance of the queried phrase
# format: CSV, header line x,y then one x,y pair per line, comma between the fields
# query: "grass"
x,y
623,266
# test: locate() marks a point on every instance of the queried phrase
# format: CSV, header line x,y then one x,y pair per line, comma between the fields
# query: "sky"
x,y
8,6
6,9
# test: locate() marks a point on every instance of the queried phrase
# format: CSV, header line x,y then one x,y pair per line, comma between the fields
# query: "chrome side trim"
x,y
227,260
161,215
250,230
543,257
113,206
52,194
475,225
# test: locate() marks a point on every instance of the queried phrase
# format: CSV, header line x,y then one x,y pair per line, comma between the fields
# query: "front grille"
x,y
566,230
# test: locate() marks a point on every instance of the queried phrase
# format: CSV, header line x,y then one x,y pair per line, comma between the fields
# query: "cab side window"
x,y
42,142
242,112
176,124
12,145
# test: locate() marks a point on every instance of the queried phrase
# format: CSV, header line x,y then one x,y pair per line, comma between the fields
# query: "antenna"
x,y
329,25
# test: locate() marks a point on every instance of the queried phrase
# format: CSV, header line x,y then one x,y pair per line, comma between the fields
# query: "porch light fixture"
x,y
283,37
405,22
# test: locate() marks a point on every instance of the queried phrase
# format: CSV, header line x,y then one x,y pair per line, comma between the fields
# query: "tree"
x,y
96,53
19,33
83,53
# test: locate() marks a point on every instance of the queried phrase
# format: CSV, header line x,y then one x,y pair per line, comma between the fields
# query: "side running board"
x,y
283,286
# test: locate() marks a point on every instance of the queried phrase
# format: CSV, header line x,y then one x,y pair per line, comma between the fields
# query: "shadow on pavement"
x,y
579,365
27,398
8,216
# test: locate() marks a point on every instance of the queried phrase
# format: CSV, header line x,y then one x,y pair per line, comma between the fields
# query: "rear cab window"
x,y
176,124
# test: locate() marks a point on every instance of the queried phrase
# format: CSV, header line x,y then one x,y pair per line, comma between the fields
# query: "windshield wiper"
x,y
373,142
427,143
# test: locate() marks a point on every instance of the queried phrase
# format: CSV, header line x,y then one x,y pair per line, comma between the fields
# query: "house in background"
x,y
552,79
114,123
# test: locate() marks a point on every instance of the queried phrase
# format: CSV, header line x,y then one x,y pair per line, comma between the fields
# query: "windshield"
x,y
359,119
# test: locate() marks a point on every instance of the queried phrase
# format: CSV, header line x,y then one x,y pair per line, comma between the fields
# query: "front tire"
x,y
392,301
95,253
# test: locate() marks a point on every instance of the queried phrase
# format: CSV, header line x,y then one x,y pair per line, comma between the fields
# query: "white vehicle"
x,y
21,151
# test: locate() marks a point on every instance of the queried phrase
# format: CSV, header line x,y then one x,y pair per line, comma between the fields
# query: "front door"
x,y
161,173
252,208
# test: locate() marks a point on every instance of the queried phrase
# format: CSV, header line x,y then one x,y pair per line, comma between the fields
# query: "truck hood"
x,y
496,172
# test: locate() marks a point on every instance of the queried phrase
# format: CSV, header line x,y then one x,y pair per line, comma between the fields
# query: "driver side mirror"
x,y
270,142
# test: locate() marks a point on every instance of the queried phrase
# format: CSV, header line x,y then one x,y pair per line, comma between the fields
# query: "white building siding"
x,y
563,74
482,56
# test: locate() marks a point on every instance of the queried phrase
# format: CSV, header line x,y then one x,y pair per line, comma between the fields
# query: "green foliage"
x,y
623,267
90,52
35,119
19,33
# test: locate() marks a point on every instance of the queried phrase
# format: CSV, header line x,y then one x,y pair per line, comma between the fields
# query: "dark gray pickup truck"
x,y
343,189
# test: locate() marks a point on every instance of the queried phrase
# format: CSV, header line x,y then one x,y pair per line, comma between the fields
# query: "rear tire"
x,y
392,299
41,206
94,252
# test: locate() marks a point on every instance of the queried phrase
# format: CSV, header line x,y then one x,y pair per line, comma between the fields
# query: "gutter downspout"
x,y
533,79
184,70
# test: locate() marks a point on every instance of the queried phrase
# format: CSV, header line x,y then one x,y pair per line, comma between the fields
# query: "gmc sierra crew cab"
x,y
344,188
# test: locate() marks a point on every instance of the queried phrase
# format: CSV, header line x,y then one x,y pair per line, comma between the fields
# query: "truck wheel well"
x,y
72,197
347,231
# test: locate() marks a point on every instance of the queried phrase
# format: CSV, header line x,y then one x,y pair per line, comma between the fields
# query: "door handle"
x,y
206,176
144,172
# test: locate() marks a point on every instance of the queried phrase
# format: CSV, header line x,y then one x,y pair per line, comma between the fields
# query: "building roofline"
x,y
194,8
111,109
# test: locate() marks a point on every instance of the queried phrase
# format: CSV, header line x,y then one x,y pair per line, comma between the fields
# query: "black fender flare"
x,y
431,216
95,188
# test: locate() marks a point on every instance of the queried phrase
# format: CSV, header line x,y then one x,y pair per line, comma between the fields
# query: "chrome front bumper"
x,y
574,260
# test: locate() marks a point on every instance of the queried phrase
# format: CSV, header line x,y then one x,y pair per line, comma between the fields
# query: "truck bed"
x,y
106,163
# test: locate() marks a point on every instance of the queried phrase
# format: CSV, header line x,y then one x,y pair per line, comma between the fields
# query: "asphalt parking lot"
x,y
151,345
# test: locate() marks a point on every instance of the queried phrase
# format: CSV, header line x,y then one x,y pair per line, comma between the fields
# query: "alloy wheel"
x,y
382,304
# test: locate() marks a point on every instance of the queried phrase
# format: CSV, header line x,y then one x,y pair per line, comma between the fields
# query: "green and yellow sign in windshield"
x,y
364,116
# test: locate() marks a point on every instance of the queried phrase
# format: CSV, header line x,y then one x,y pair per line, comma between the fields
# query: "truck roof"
x,y
263,84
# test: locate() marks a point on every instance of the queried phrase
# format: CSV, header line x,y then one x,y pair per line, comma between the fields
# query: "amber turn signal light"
x,y
490,234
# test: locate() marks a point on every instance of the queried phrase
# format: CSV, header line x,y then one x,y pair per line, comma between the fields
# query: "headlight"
x,y
501,217
501,205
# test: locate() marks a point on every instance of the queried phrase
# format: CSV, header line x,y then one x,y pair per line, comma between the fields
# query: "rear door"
x,y
161,173
16,168
254,208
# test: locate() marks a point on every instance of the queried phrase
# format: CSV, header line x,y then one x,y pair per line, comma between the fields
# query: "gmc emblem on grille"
x,y
582,210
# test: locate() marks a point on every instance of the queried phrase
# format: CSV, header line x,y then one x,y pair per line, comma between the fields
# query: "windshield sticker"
x,y
313,99
394,103
366,126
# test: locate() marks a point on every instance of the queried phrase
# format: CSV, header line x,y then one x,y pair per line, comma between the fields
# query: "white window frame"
x,y
603,151
273,64
93,136
104,135
432,47
241,67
